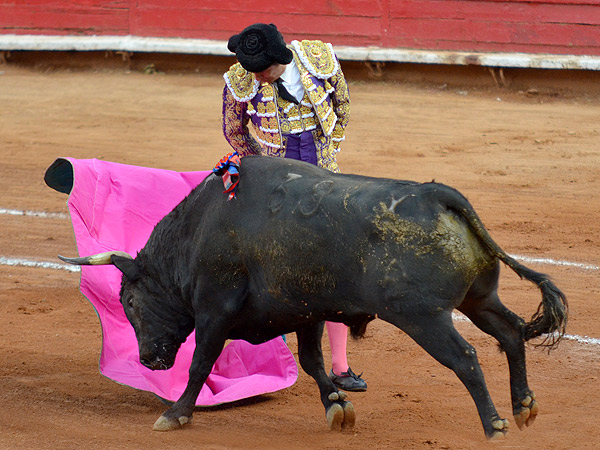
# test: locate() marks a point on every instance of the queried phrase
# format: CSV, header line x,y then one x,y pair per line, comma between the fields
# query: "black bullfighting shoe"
x,y
348,381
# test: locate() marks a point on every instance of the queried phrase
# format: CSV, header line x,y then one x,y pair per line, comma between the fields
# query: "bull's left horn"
x,y
94,260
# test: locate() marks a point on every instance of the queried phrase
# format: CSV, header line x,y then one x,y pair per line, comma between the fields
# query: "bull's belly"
x,y
260,325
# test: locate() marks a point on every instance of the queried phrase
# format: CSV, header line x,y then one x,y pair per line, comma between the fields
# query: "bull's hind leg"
x,y
340,413
437,335
488,313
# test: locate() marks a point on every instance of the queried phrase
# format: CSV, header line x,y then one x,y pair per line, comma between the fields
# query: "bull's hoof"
x,y
500,428
341,416
349,416
335,417
526,413
169,423
497,435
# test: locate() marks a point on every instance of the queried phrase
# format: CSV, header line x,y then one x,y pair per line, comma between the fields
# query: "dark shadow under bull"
x,y
299,245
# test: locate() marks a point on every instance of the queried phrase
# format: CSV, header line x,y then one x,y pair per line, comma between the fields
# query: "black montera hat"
x,y
259,46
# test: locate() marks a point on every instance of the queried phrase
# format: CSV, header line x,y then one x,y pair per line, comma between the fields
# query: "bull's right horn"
x,y
95,260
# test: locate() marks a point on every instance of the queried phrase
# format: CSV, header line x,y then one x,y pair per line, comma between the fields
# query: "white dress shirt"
x,y
292,82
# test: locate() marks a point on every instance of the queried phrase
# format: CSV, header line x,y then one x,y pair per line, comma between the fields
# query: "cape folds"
x,y
115,207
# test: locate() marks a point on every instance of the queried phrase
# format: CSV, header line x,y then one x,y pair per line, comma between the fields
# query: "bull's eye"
x,y
130,302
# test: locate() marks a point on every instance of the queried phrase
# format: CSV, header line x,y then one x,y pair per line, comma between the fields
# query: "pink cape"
x,y
115,207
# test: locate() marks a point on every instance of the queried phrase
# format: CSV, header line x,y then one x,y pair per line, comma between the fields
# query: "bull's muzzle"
x,y
153,362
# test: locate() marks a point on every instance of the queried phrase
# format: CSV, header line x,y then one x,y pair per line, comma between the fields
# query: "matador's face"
x,y
270,74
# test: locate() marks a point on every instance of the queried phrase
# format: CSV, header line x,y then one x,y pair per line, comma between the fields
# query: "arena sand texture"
x,y
529,161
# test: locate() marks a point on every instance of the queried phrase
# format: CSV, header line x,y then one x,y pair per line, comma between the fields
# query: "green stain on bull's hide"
x,y
458,244
289,260
401,231
461,245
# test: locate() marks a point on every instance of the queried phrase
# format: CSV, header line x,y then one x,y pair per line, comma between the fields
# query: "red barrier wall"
x,y
532,26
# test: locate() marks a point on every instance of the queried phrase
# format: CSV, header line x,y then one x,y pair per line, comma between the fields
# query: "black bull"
x,y
300,245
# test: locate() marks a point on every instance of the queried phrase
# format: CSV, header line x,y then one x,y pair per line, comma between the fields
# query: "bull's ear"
x,y
126,265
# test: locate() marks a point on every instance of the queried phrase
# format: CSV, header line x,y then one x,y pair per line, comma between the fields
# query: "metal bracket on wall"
x,y
375,68
126,56
498,76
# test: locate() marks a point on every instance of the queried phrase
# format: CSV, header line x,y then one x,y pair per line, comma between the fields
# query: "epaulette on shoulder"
x,y
241,83
318,57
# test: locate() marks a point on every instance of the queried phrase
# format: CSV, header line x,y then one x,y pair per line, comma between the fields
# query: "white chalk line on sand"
x,y
458,317
45,215
553,262
38,264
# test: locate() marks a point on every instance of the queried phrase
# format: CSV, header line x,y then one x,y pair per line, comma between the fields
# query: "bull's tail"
x,y
552,313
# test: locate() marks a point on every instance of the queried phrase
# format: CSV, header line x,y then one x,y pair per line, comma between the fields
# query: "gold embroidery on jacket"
x,y
316,94
241,83
317,57
296,118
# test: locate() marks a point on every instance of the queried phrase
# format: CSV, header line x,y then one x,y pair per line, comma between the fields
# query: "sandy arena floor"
x,y
529,163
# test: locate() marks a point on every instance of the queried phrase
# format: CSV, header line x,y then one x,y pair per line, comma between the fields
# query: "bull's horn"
x,y
94,260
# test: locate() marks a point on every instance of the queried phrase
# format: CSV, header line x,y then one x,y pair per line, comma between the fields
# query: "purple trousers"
x,y
301,147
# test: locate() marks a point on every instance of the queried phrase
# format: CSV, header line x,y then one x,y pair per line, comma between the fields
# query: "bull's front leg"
x,y
209,344
339,412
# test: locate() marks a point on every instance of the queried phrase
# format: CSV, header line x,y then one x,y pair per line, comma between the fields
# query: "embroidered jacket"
x,y
324,110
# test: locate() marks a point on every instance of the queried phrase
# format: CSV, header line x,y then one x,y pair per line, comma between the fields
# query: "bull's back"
x,y
311,231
